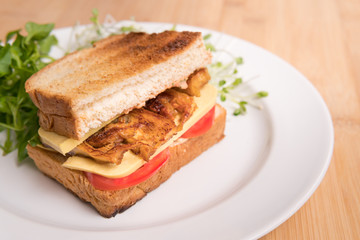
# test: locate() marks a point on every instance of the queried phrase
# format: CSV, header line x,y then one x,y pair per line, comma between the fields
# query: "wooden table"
x,y
321,38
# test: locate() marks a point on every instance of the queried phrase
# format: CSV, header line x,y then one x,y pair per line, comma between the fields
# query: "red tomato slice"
x,y
140,175
201,126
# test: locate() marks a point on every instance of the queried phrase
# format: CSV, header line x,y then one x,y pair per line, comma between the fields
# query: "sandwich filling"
x,y
132,162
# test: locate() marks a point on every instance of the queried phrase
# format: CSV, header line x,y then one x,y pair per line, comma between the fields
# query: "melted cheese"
x,y
131,162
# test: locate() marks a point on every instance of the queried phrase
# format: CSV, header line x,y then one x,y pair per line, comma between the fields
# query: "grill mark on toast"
x,y
136,52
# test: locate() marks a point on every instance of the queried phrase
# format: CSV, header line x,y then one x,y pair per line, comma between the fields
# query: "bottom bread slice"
x,y
109,203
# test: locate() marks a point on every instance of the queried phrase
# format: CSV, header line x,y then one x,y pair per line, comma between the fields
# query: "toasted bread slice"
x,y
91,86
109,203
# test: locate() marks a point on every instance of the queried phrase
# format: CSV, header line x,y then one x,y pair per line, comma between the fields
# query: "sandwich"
x,y
119,118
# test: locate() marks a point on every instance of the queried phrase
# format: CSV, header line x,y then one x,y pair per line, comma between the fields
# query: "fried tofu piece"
x,y
173,105
196,81
140,131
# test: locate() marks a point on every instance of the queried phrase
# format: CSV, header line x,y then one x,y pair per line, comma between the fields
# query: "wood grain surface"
x,y
321,38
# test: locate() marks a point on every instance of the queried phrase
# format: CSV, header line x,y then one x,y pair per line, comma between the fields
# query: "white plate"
x,y
269,164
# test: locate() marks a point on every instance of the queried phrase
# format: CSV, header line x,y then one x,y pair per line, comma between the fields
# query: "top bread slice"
x,y
88,87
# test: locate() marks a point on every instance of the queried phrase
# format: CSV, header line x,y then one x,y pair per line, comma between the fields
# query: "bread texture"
x,y
88,87
109,203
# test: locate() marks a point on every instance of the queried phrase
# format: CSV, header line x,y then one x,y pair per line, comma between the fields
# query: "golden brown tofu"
x,y
140,131
196,81
173,105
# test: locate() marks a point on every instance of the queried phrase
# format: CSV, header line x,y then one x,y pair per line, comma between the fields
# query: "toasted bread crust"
x,y
62,125
73,87
109,203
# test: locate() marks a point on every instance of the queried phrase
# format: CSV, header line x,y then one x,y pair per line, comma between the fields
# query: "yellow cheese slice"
x,y
129,164
205,102
64,144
